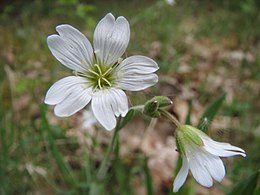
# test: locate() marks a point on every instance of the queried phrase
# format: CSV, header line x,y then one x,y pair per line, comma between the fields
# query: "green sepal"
x,y
187,135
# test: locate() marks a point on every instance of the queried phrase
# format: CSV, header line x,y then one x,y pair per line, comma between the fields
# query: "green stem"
x,y
104,165
138,107
171,118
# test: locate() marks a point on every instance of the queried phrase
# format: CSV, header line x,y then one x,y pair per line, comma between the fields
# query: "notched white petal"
x,y
111,38
77,39
62,88
222,149
136,73
101,107
119,102
71,48
107,104
137,64
77,100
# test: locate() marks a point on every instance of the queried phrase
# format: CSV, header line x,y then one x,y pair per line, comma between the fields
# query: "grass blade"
x,y
246,186
209,113
64,167
148,180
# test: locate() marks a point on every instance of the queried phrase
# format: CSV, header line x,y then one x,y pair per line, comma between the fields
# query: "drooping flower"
x,y
201,155
100,74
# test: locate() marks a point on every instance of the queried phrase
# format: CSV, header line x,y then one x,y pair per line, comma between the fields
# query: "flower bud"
x,y
154,106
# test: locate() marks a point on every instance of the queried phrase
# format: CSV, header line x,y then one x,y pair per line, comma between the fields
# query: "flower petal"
x,y
199,171
137,82
71,48
182,175
63,88
119,102
101,106
222,149
137,64
136,73
78,40
214,165
78,99
108,103
111,38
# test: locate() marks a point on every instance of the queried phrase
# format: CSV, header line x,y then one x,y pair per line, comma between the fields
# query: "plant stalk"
x,y
105,163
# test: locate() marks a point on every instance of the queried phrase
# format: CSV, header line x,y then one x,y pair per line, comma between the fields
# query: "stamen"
x,y
99,69
99,83
104,79
108,71
93,72
81,74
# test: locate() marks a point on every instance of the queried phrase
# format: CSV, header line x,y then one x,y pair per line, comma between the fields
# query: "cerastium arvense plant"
x,y
100,78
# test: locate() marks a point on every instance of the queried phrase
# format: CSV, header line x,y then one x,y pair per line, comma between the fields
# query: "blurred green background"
x,y
204,49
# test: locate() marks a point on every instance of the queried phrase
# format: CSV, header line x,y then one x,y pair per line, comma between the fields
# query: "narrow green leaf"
x,y
126,119
121,173
257,191
188,120
148,179
64,167
246,186
209,113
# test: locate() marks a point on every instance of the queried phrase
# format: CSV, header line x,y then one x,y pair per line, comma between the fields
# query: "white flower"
x,y
201,155
88,119
170,2
100,74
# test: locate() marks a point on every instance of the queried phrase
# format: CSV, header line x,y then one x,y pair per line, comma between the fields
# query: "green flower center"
x,y
99,76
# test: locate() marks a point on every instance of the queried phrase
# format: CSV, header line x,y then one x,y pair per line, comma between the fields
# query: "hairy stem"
x,y
171,118
105,163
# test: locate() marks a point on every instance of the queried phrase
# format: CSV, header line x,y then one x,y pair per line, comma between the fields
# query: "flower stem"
x,y
171,118
104,165
138,107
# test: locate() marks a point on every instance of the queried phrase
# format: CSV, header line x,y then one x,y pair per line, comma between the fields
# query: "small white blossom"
x,y
88,119
170,2
201,155
100,73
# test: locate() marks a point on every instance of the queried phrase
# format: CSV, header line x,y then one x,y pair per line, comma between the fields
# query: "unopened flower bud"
x,y
154,106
